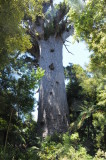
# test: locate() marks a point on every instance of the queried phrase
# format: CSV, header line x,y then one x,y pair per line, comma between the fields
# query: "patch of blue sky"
x,y
80,54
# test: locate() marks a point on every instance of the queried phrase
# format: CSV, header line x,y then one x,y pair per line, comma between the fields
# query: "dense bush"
x,y
65,147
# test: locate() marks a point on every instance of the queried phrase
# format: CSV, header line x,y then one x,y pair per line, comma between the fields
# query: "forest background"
x,y
20,75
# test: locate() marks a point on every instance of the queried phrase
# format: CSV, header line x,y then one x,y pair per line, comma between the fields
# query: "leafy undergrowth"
x,y
66,147
56,147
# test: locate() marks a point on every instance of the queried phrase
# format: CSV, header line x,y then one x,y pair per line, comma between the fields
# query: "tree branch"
x,y
61,13
67,33
46,5
67,41
67,49
31,33
66,46
8,131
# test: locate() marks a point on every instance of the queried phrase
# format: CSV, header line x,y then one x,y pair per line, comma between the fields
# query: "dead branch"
x,y
67,49
66,46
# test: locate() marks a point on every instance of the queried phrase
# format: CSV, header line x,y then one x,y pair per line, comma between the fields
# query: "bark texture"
x,y
53,114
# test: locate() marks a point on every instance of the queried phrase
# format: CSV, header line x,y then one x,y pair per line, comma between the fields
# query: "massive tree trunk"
x,y
53,114
50,32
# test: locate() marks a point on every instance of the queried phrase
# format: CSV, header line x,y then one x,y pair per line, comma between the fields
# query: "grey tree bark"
x,y
53,114
50,33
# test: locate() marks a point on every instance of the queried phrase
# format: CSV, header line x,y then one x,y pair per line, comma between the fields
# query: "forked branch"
x,y
66,46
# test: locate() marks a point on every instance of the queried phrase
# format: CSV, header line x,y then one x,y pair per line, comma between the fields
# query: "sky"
x,y
80,53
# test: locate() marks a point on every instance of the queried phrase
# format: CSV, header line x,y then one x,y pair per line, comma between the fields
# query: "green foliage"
x,y
20,90
99,122
49,30
87,109
54,20
12,33
14,16
61,147
67,147
18,82
100,155
89,24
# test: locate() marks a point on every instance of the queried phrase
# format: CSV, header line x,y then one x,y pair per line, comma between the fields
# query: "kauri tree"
x,y
49,32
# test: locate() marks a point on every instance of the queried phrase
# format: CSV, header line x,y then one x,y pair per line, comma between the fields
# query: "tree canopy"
x,y
89,25
14,21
